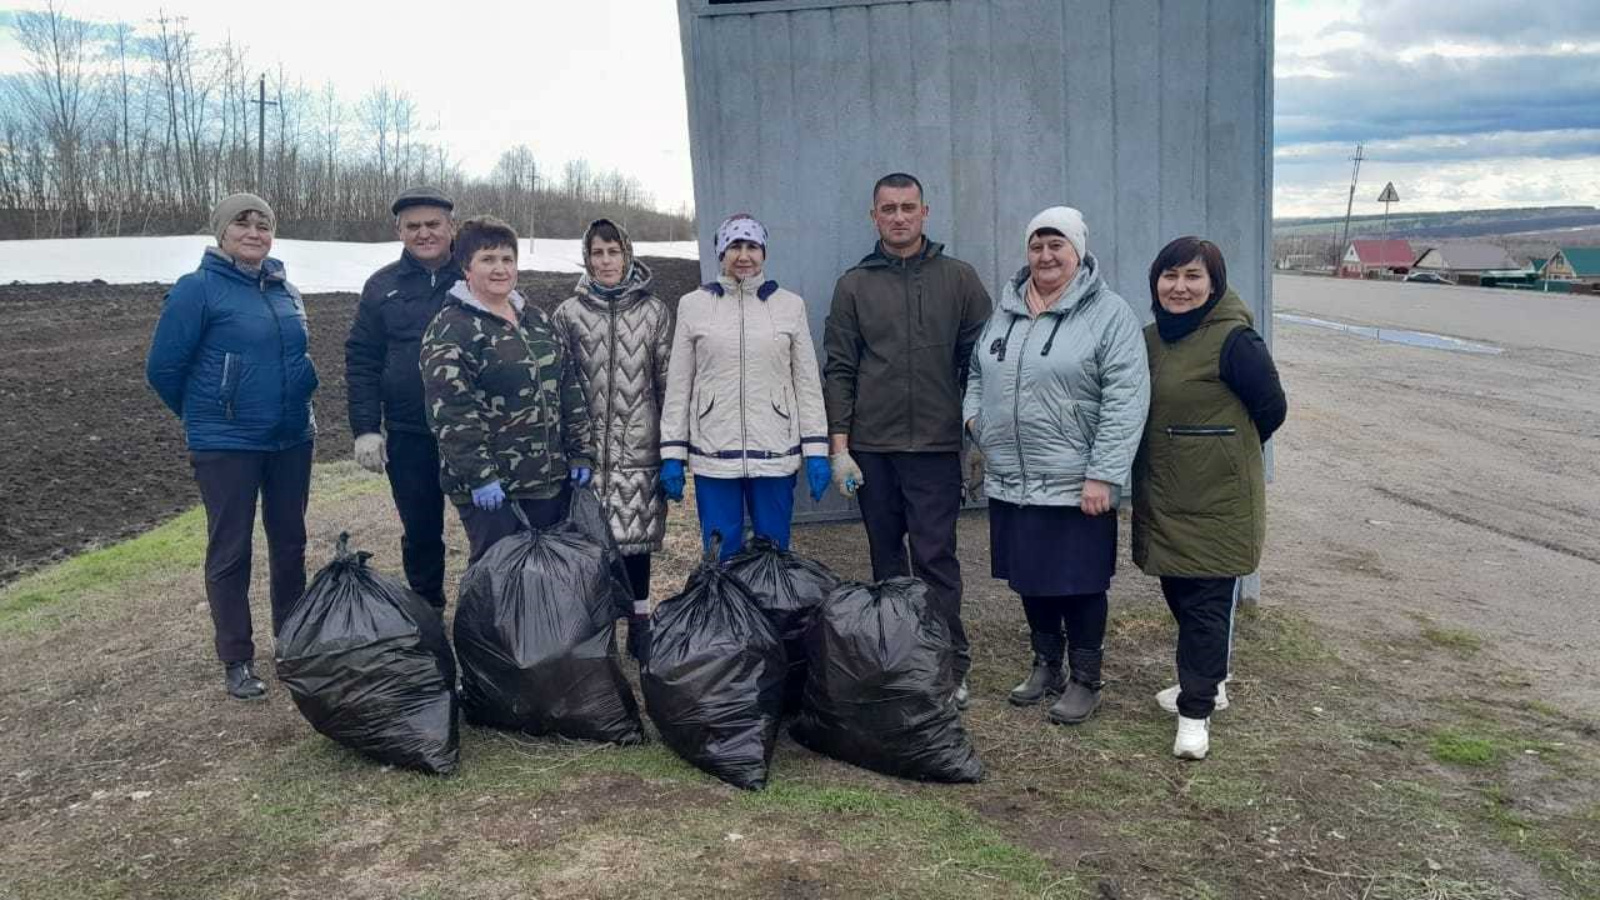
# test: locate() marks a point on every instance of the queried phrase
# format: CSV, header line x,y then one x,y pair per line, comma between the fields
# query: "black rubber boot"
x,y
1082,695
242,682
639,639
1046,679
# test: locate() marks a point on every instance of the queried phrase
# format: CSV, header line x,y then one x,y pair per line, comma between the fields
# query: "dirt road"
x,y
1458,488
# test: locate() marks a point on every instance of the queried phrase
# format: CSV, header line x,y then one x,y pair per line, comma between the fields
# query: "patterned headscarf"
x,y
740,227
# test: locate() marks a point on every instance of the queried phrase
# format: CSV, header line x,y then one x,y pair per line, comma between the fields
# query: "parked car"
x,y
1428,278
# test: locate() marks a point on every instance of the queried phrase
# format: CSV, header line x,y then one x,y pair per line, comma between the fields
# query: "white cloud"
x,y
1320,188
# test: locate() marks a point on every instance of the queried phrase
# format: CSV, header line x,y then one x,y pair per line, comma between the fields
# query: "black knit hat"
x,y
421,196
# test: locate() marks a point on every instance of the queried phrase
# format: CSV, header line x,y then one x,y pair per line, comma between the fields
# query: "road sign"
x,y
1389,195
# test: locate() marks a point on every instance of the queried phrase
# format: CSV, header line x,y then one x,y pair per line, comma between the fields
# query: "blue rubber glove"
x,y
818,474
581,475
672,479
489,497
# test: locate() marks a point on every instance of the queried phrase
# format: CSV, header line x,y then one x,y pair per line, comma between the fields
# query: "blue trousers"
x,y
722,503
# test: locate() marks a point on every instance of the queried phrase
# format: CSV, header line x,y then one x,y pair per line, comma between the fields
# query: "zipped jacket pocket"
x,y
230,384
1201,430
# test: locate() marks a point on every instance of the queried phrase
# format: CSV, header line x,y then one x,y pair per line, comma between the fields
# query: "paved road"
x,y
1509,318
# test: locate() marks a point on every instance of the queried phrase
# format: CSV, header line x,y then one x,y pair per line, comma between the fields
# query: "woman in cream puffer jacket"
x,y
744,399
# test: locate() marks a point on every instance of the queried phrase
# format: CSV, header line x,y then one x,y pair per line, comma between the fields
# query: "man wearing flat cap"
x,y
384,379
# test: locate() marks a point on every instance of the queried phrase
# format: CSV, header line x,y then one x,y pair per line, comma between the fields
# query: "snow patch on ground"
x,y
314,266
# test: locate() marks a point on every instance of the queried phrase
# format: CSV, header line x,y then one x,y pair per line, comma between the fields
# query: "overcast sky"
x,y
1469,103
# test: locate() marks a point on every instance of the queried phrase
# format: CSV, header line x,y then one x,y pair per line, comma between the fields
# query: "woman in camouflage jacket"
x,y
620,338
503,396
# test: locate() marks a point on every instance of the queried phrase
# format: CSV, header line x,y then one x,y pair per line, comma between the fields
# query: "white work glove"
x,y
371,453
847,475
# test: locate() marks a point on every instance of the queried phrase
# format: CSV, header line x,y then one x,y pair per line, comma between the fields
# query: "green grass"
x,y
946,834
1456,640
180,543
50,594
1461,748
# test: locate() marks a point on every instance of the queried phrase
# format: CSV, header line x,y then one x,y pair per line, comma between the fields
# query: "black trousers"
x,y
1082,617
413,471
913,499
1203,608
638,566
485,528
230,481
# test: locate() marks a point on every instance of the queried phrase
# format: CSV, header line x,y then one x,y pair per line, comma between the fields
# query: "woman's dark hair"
x,y
482,233
1044,231
1186,250
604,230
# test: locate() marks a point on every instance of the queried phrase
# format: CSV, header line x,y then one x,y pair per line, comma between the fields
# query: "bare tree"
x,y
60,101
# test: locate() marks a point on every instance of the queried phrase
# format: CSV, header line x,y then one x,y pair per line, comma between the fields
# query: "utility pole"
x,y
261,132
1344,242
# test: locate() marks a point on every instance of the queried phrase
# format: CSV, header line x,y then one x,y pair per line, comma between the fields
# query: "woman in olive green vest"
x,y
1199,492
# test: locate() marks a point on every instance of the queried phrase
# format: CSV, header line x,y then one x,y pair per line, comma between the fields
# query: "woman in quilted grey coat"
x,y
621,336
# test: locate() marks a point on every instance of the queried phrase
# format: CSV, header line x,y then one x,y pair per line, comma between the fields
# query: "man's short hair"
x,y
1185,250
482,233
897,180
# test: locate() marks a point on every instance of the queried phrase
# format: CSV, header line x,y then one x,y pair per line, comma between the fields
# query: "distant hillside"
x,y
1457,223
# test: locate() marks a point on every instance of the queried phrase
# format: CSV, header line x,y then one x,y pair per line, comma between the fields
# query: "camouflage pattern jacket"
x,y
503,400
621,347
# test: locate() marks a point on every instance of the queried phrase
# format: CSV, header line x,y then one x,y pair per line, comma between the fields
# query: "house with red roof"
x,y
1392,257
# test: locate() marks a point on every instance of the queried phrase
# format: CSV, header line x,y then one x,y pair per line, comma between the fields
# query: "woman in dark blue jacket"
x,y
229,357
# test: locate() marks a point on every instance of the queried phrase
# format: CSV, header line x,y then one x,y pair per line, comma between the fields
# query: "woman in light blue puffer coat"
x,y
1056,405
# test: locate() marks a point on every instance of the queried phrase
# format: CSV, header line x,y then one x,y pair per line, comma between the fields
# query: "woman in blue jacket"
x,y
229,358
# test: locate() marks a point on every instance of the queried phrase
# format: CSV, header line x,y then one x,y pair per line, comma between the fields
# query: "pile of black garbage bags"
x,y
865,672
368,665
869,670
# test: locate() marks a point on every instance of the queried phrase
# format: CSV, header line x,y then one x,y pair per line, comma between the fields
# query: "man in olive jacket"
x,y
384,380
899,336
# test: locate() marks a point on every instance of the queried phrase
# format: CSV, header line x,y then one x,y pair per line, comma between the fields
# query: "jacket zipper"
x,y
911,374
1016,403
227,394
611,390
744,428
283,367
539,391
1201,430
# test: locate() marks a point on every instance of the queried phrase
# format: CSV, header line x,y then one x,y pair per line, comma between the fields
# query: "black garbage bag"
x,y
881,684
366,662
789,588
535,632
714,682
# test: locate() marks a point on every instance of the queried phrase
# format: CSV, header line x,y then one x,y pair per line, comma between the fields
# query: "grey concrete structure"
x,y
1151,116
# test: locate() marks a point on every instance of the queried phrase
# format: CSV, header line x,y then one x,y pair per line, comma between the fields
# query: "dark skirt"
x,y
1051,551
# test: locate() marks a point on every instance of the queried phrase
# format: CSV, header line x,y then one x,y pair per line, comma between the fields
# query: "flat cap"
x,y
421,196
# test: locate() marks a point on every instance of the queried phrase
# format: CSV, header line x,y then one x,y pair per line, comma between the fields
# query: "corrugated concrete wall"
x,y
1151,116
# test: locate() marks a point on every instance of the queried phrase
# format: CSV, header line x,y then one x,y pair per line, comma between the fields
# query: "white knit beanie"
x,y
1064,219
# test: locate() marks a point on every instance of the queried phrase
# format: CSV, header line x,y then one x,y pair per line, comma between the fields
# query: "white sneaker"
x,y
1194,738
1167,698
